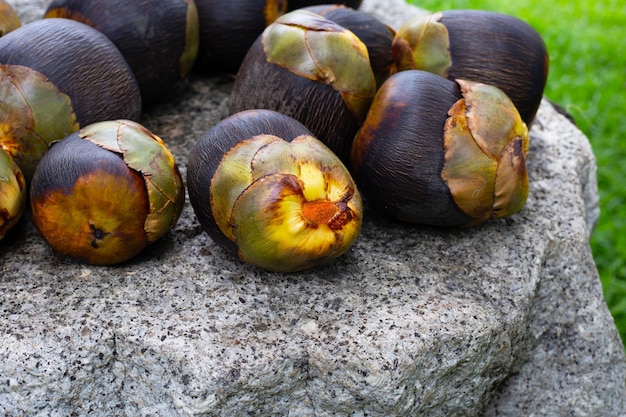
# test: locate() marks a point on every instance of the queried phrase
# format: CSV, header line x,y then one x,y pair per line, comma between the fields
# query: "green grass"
x,y
585,40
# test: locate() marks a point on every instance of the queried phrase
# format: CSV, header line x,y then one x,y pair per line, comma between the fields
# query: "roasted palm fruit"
x,y
102,194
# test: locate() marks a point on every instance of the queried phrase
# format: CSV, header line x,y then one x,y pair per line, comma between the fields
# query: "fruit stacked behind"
x,y
445,147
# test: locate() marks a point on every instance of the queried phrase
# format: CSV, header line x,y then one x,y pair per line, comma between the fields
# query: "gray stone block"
x,y
505,319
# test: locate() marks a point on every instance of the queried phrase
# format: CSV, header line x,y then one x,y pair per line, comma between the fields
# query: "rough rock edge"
x,y
521,394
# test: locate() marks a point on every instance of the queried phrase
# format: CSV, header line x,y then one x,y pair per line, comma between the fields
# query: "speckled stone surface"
x,y
506,319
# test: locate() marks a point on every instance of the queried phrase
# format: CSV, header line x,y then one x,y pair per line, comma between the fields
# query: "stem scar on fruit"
x,y
98,234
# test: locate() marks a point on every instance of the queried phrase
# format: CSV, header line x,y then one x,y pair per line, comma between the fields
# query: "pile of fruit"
x,y
428,122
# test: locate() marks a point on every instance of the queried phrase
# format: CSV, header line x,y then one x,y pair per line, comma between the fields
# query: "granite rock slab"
x,y
505,319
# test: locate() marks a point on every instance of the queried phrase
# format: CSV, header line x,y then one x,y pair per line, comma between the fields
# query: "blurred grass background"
x,y
586,42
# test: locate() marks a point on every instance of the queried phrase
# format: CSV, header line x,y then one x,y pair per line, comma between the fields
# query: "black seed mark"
x,y
98,234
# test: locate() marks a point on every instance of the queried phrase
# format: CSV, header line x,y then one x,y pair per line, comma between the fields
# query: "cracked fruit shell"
x,y
272,194
34,115
55,76
376,35
12,193
312,69
102,194
477,45
442,153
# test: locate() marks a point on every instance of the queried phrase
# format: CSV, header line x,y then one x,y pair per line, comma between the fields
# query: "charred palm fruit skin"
x,y
12,193
158,39
397,155
441,153
212,146
283,205
298,4
9,20
377,36
81,62
103,193
313,70
481,46
34,115
228,29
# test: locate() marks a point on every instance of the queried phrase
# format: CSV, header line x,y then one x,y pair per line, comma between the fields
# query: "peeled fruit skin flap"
x,y
318,49
287,205
377,36
12,193
478,45
313,70
93,211
397,155
34,115
486,145
423,43
271,194
147,154
210,149
442,153
102,194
